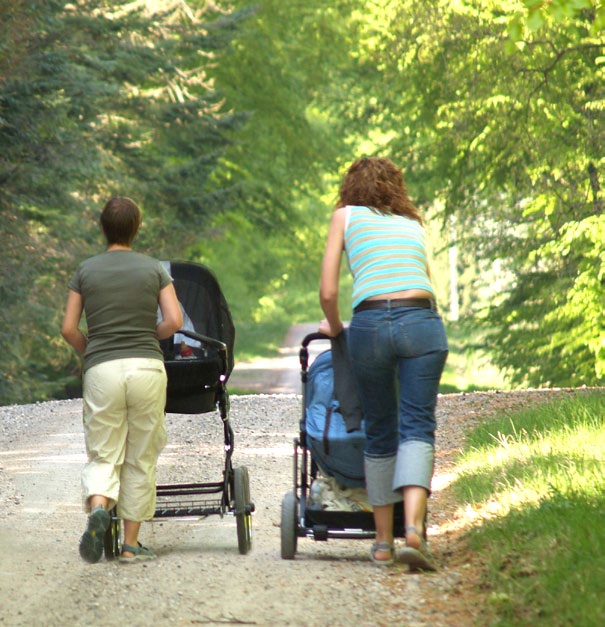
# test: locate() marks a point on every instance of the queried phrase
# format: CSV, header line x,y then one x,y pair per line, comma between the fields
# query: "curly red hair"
x,y
377,183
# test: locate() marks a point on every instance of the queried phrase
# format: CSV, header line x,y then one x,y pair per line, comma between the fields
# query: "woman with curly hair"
x,y
397,345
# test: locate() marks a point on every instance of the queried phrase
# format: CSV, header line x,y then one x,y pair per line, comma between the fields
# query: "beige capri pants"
x,y
124,431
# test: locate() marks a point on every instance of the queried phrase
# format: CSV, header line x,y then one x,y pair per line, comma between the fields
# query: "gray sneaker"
x,y
92,540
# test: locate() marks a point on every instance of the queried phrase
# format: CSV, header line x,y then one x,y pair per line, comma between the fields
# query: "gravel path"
x,y
200,578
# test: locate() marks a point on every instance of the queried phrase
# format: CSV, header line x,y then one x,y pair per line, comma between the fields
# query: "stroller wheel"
x,y
288,526
111,541
243,508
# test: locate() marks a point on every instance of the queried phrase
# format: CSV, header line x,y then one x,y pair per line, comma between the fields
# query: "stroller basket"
x,y
363,521
193,384
185,500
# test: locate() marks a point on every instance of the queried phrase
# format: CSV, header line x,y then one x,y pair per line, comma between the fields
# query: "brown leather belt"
x,y
425,303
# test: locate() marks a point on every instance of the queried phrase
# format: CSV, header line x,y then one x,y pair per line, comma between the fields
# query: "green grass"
x,y
537,478
468,367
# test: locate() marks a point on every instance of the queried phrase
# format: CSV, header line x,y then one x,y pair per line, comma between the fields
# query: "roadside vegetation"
x,y
232,122
469,366
535,482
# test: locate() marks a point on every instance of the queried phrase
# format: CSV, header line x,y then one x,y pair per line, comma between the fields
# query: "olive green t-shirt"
x,y
120,292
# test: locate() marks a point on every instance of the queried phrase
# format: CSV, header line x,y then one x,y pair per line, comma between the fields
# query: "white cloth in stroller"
x,y
327,494
187,324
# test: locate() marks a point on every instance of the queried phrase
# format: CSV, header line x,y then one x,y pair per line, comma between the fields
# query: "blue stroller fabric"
x,y
337,451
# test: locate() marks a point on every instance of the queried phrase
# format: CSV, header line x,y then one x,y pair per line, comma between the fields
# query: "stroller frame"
x,y
297,520
199,386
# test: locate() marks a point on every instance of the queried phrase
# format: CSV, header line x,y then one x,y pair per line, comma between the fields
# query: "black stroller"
x,y
199,361
336,454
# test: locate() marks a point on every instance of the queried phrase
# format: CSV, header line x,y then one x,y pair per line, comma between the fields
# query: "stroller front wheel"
x,y
288,526
111,540
243,508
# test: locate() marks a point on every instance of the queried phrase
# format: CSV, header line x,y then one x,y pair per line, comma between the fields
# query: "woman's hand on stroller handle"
x,y
326,329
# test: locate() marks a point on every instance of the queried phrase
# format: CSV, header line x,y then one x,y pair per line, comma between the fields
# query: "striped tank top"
x,y
386,253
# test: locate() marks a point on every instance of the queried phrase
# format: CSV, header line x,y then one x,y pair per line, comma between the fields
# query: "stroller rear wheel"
x,y
111,541
288,526
243,508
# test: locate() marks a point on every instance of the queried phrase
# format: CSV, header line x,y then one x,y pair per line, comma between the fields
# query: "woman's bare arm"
x,y
330,274
172,318
71,320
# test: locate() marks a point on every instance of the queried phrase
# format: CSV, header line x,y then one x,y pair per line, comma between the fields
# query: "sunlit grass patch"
x,y
559,446
536,481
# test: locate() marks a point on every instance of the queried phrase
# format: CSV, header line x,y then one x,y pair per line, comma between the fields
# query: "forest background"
x,y
231,124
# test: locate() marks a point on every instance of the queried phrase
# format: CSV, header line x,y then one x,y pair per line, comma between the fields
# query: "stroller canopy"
x,y
202,299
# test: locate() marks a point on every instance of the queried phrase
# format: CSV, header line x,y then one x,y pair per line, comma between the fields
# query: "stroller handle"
x,y
221,347
314,336
303,355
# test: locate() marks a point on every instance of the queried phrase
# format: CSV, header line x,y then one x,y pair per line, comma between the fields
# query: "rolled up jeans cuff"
x,y
379,480
414,466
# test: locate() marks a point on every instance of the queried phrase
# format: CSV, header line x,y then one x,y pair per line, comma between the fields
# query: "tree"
x,y
231,124
509,138
96,98
283,63
538,13
282,57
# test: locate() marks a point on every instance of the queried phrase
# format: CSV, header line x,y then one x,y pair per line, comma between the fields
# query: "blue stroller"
x,y
325,447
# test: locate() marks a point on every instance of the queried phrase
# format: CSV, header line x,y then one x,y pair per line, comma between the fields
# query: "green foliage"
x,y
553,324
282,161
538,13
231,123
469,366
536,479
96,99
508,139
277,64
270,280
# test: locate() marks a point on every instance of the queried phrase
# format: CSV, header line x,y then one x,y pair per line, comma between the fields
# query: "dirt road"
x,y
200,578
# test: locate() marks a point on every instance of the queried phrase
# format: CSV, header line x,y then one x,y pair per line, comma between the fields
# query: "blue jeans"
x,y
397,356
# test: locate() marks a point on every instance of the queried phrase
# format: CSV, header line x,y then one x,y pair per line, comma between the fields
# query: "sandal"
x,y
139,552
385,547
417,559
92,540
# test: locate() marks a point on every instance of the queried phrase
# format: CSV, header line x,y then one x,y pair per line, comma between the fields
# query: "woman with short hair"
x,y
124,380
